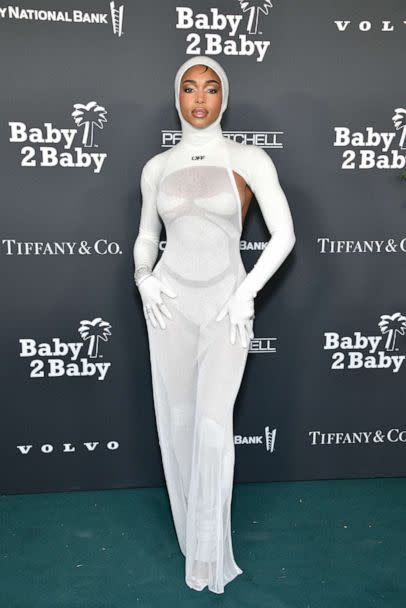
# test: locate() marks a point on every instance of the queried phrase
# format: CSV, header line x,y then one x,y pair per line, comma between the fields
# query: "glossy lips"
x,y
200,113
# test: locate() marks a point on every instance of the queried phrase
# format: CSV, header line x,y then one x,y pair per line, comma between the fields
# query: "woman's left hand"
x,y
240,307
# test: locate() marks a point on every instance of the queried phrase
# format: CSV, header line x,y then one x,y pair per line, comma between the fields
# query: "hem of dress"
x,y
227,580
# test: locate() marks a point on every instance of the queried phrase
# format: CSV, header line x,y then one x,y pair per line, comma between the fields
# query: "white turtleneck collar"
x,y
194,136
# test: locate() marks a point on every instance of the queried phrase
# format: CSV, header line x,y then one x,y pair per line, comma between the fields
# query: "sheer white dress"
x,y
196,370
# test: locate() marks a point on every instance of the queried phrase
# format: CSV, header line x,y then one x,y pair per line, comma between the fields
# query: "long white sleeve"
x,y
146,245
264,182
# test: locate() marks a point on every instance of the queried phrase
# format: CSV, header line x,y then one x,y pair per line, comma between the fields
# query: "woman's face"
x,y
200,95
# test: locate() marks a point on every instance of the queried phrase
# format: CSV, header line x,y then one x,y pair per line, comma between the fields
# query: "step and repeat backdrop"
x,y
87,99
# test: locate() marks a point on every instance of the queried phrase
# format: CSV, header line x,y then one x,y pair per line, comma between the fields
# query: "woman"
x,y
201,189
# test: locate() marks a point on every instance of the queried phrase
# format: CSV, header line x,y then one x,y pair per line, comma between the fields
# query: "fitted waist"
x,y
234,270
201,257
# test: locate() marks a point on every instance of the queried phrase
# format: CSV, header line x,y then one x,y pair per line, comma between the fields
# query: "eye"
x,y
186,89
213,90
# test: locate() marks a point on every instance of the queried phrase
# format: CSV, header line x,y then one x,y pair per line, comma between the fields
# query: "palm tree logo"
x,y
94,331
90,115
399,120
392,325
254,7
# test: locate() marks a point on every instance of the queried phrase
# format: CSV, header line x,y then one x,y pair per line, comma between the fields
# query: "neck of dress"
x,y
193,137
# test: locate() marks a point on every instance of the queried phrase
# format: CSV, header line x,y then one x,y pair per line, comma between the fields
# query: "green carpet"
x,y
313,544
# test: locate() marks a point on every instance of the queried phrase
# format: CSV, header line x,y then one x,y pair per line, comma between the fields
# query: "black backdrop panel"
x,y
87,100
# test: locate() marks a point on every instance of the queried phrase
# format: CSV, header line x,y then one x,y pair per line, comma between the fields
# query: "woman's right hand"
x,y
150,290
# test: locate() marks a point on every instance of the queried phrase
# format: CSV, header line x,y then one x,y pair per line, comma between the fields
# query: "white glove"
x,y
151,288
240,307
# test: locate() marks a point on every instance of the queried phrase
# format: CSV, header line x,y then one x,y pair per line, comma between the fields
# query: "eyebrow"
x,y
194,81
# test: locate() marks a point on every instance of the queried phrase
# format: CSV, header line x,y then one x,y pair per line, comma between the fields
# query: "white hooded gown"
x,y
196,371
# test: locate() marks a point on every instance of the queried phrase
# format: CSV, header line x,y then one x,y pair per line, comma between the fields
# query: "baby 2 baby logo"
x,y
362,351
46,146
361,150
59,359
221,30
